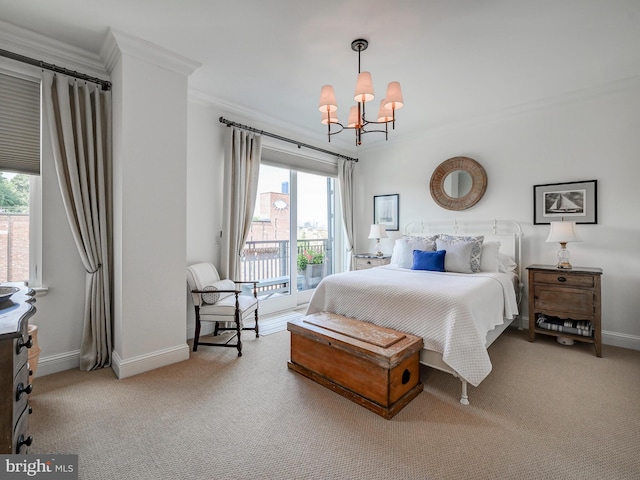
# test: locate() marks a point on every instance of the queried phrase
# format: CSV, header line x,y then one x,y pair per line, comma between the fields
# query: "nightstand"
x,y
565,303
369,260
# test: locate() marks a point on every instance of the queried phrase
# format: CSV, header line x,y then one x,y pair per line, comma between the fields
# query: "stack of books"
x,y
583,328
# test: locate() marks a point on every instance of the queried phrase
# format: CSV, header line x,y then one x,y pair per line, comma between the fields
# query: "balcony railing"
x,y
268,262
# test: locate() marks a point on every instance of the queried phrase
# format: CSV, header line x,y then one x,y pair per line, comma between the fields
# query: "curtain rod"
x,y
229,123
106,85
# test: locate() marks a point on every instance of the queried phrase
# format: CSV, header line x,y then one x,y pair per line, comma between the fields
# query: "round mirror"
x,y
458,183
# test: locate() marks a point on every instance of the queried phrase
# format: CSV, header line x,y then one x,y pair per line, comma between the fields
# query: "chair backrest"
x,y
200,275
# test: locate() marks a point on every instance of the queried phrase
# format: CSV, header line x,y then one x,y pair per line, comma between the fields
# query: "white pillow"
x,y
476,248
489,259
507,264
403,249
458,256
214,296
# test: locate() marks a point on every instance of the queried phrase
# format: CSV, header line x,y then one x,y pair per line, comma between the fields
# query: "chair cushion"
x,y
225,309
215,296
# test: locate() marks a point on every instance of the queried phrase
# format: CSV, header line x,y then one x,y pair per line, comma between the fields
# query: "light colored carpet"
x,y
546,411
277,323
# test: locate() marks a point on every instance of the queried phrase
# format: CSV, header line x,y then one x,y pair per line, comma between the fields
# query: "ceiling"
x,y
457,60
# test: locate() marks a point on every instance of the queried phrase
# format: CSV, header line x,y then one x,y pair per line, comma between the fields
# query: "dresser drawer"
x,y
21,439
21,388
559,278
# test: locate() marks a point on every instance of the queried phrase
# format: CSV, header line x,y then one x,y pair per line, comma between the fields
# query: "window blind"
x,y
19,125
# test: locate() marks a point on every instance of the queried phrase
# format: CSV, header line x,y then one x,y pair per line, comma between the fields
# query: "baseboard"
x,y
58,363
631,342
151,361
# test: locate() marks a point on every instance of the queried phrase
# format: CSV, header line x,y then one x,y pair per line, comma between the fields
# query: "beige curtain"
x,y
241,172
346,170
79,117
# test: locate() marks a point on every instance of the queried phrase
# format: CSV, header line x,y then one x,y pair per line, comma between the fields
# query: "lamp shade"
x,y
563,232
384,114
394,96
329,117
354,117
364,88
327,99
377,231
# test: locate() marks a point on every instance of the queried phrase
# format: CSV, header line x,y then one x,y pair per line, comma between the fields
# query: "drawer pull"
x,y
28,344
22,441
562,279
22,389
368,262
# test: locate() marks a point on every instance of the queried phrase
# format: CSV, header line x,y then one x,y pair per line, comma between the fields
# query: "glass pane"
x,y
14,227
313,259
266,253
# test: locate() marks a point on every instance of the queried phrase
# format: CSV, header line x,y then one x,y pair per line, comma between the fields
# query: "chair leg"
x,y
196,337
238,333
215,330
257,330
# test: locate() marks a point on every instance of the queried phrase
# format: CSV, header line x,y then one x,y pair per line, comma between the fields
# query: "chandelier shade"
x,y
364,88
394,96
327,99
363,94
329,117
384,114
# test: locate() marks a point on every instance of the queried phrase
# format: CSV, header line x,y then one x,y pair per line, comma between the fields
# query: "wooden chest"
x,y
376,367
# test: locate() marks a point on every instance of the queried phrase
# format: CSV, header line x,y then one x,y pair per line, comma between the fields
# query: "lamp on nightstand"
x,y
563,233
378,232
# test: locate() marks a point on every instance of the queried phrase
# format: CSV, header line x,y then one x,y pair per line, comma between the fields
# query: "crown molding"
x,y
35,45
117,42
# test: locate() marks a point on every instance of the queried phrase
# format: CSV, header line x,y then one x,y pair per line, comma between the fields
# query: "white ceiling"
x,y
457,60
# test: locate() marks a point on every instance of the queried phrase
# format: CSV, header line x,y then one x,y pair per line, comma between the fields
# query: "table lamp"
x,y
378,232
563,233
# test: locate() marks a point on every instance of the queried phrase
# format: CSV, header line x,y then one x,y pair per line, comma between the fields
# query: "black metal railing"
x,y
268,262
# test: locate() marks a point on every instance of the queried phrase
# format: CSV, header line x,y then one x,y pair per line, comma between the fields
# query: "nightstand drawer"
x,y
559,278
564,302
362,263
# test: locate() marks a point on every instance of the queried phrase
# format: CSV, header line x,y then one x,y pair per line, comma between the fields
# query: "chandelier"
x,y
364,93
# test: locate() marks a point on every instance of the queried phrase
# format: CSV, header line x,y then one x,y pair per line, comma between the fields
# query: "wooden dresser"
x,y
14,372
565,299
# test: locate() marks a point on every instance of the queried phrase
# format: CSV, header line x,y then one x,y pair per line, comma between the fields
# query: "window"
x,y
290,244
19,179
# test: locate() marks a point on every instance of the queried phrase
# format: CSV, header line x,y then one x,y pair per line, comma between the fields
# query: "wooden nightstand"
x,y
565,295
370,260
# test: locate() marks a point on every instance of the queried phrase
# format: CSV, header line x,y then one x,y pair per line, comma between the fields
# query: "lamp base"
x,y
379,251
564,266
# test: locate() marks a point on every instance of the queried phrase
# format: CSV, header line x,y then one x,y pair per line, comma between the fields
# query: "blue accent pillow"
x,y
425,260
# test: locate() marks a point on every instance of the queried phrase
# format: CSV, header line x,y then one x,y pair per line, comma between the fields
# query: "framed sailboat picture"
x,y
574,201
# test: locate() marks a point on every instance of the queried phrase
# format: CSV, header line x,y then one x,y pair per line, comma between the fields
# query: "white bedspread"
x,y
452,312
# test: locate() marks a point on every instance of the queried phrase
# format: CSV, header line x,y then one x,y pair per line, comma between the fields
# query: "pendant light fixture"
x,y
357,120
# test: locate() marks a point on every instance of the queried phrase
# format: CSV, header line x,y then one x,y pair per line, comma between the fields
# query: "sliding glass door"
x,y
290,245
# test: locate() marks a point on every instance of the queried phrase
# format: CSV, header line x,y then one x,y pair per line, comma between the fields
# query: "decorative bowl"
x,y
6,292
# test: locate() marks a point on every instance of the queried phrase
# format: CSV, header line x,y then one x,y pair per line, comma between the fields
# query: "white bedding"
x,y
452,312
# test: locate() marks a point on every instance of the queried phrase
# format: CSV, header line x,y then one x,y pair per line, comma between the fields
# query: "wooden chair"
x,y
221,302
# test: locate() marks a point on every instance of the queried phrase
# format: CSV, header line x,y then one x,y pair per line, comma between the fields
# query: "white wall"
x,y
591,135
150,164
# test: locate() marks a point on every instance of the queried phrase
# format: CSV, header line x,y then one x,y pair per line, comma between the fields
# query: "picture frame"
x,y
386,211
574,201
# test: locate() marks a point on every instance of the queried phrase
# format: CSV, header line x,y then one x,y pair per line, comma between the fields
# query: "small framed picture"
x,y
386,211
574,201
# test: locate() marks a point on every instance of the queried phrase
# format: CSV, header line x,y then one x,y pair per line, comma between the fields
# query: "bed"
x,y
458,312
